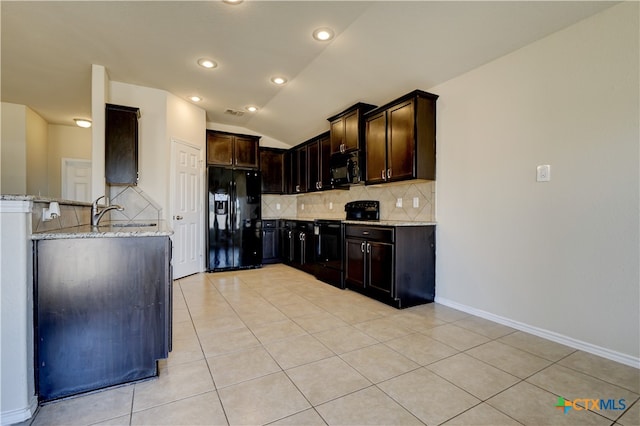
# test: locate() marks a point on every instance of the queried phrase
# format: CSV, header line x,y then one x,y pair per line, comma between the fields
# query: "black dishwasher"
x,y
328,251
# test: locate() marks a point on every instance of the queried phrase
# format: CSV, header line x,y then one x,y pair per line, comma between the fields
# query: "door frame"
x,y
172,194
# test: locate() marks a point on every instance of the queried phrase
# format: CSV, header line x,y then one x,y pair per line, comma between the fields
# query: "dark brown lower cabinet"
x,y
395,265
102,312
270,241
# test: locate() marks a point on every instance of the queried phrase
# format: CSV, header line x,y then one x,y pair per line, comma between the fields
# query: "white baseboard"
x,y
546,334
19,415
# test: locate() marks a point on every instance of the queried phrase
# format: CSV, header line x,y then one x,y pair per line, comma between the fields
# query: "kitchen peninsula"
x,y
101,297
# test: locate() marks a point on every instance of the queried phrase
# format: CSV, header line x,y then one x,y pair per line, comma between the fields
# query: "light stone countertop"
x,y
107,230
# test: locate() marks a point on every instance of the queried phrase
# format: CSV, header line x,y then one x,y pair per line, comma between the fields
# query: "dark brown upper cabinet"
x,y
318,154
400,139
347,128
232,150
272,168
121,145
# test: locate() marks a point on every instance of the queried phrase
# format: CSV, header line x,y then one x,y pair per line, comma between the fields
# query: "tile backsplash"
x,y
330,204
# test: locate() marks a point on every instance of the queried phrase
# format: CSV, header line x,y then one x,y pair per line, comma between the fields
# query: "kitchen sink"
x,y
133,224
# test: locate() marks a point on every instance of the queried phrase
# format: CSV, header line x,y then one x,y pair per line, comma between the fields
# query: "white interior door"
x,y
76,179
187,215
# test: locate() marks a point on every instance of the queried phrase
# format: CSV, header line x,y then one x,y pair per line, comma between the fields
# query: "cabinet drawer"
x,y
371,233
269,223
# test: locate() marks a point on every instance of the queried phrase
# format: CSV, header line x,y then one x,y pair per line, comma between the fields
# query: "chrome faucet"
x,y
97,215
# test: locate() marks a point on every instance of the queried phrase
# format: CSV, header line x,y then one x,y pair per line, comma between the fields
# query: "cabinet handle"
x,y
362,247
365,232
388,173
383,175
342,148
368,248
319,185
297,188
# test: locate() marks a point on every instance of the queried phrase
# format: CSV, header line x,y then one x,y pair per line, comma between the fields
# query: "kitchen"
x,y
484,199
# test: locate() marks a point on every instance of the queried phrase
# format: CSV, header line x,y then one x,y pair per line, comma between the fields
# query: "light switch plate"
x,y
543,173
399,202
416,202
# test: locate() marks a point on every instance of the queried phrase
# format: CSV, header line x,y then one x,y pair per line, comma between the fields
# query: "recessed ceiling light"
x,y
323,34
278,80
82,122
195,98
251,108
232,1
207,63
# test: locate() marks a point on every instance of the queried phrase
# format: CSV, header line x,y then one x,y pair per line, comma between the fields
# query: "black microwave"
x,y
345,168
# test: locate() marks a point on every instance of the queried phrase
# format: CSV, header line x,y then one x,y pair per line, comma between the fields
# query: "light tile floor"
x,y
275,346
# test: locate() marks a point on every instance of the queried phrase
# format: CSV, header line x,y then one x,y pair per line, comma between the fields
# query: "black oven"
x,y
328,241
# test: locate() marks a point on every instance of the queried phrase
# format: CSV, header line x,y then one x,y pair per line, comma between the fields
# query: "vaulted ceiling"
x,y
381,50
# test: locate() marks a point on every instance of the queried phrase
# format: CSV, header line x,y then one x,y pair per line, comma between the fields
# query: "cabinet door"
x,y
300,172
219,149
272,167
354,274
351,136
380,266
401,142
121,145
325,156
269,244
313,164
376,141
337,135
245,152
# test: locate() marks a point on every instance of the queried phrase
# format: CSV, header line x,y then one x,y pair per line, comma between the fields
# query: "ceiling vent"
x,y
234,112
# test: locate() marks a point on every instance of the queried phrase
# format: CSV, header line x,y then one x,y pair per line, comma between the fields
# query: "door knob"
x,y
178,218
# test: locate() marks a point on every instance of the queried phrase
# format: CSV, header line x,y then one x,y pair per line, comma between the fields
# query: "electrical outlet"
x,y
543,173
416,202
399,202
277,206
302,206
330,205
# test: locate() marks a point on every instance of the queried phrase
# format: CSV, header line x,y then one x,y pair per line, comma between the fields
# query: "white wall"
x,y
65,142
561,256
13,149
99,97
36,164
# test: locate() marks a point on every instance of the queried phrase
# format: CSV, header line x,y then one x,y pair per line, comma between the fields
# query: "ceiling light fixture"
x,y
82,122
232,1
323,34
278,80
195,98
207,63
251,108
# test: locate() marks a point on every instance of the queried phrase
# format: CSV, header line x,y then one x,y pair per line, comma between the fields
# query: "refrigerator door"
x,y
247,218
222,251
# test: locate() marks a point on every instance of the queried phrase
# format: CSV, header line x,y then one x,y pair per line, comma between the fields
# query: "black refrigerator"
x,y
234,219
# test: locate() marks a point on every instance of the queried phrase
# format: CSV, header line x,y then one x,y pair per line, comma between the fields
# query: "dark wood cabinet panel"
x,y
219,149
232,150
102,312
270,241
299,170
400,145
347,128
273,170
245,151
407,129
318,169
354,265
395,265
121,145
376,152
